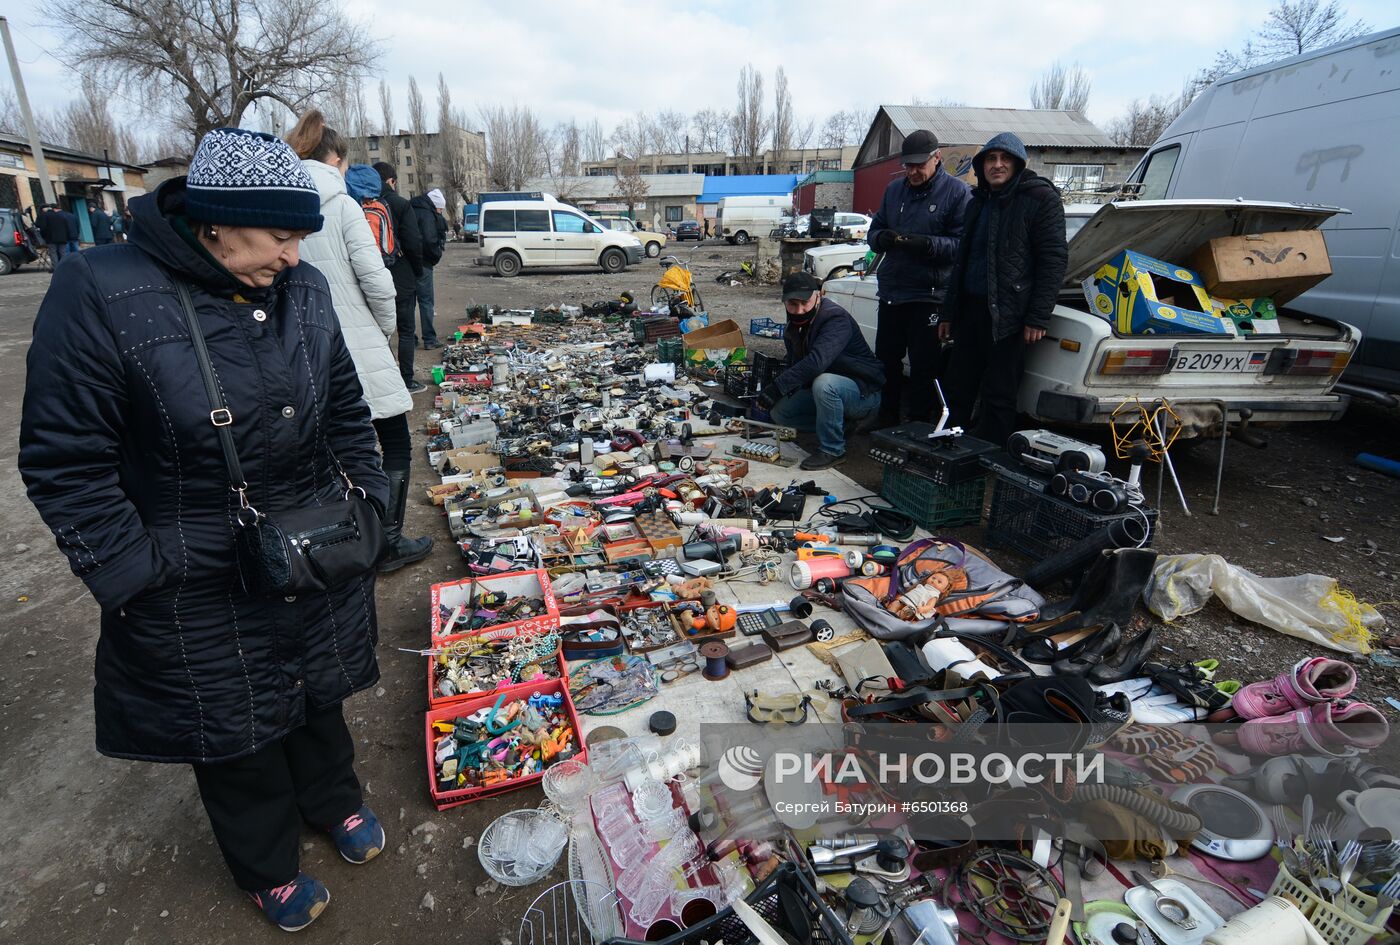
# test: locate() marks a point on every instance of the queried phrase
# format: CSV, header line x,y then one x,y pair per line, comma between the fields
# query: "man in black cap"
x,y
917,229
1007,279
831,376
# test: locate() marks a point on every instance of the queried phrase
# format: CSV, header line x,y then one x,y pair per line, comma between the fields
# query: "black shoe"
x,y
430,345
1042,648
402,551
865,424
1127,662
821,460
415,388
1095,649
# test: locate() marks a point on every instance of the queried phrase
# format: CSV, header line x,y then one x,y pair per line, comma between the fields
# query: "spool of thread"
x,y
803,574
714,653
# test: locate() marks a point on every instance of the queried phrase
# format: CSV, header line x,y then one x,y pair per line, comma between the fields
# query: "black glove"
x,y
885,240
920,245
767,398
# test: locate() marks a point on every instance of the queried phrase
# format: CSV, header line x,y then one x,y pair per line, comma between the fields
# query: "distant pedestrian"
x,y
428,209
119,227
75,230
406,271
707,228
102,232
54,229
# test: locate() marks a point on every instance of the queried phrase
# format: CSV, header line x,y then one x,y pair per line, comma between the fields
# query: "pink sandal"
x,y
1335,729
1313,680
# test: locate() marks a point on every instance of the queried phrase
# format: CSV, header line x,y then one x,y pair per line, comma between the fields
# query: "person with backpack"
x,y
427,208
350,257
406,270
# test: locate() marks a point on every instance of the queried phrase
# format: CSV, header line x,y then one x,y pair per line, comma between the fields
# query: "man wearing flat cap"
x,y
916,230
831,376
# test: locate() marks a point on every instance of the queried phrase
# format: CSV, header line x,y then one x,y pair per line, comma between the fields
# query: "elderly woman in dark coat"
x,y
121,459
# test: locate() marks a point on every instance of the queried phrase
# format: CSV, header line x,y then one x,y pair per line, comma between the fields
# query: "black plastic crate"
x,y
739,380
1025,518
766,368
930,505
786,899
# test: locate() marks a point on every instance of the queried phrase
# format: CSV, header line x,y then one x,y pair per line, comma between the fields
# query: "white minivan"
x,y
741,219
540,232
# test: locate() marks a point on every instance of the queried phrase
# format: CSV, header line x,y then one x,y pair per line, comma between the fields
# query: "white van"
x,y
538,231
741,219
1320,128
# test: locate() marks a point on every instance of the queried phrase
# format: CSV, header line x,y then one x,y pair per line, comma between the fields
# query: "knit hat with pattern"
x,y
248,178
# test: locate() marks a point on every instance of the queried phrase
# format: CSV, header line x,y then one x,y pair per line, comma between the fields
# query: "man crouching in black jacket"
x,y
831,372
1010,266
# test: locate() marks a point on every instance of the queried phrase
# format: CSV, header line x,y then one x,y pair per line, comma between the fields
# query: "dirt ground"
x,y
107,851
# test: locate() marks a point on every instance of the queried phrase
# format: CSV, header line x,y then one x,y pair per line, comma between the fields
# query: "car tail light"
x,y
1307,361
19,237
1136,361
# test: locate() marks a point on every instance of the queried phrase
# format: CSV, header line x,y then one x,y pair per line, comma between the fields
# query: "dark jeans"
x,y
912,328
395,442
986,371
256,804
405,311
425,306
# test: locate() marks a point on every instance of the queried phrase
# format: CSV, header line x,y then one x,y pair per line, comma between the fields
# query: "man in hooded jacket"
x,y
407,270
1008,274
427,210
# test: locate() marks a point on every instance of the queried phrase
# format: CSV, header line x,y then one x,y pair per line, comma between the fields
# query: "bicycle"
x,y
677,285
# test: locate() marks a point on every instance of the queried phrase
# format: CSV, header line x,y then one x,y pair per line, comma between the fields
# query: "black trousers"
x,y
986,371
406,315
912,328
395,442
256,804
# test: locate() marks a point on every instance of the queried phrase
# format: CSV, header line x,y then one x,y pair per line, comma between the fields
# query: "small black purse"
x,y
299,550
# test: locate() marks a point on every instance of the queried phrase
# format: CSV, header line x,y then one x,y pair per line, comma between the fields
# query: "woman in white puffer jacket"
x,y
362,291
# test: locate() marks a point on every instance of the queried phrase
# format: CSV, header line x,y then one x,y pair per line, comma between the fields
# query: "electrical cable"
x,y
883,518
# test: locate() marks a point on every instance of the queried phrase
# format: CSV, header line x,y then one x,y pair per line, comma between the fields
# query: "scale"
x,y
1233,825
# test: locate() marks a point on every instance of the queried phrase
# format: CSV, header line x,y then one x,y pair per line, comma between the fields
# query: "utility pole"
x,y
35,147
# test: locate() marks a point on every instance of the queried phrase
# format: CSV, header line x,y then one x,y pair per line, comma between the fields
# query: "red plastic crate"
x,y
435,700
445,799
514,583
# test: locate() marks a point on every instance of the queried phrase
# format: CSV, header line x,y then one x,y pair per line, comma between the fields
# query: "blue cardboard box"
x,y
1146,296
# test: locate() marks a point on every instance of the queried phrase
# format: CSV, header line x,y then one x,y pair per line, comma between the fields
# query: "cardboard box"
x,y
717,346
1249,316
1280,265
1146,296
469,460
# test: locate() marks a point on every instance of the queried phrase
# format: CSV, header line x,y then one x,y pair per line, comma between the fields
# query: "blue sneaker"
x,y
295,905
359,836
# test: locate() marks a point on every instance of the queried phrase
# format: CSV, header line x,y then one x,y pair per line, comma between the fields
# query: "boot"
x,y
1096,648
1047,647
402,550
1106,597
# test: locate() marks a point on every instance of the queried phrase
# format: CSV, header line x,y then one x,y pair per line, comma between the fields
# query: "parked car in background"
x,y
1320,128
852,226
1084,369
689,230
471,220
834,260
15,246
740,219
652,243
532,230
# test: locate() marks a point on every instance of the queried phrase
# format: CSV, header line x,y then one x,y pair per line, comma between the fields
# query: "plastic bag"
x,y
1307,606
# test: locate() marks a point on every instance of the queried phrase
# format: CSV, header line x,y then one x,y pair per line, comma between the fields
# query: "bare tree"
x,y
1144,121
748,126
515,145
86,124
711,129
670,131
783,120
567,149
357,124
418,137
595,143
633,137
1289,29
215,58
452,166
1062,87
388,143
804,134
631,186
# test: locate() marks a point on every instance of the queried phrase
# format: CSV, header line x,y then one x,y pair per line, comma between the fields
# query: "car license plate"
x,y
1220,362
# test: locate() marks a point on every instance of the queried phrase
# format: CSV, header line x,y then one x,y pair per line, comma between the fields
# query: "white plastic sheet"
x,y
1307,606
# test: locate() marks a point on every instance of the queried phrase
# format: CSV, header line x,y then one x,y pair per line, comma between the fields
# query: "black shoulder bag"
x,y
298,551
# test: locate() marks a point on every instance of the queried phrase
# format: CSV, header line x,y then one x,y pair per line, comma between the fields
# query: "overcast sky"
x,y
608,60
